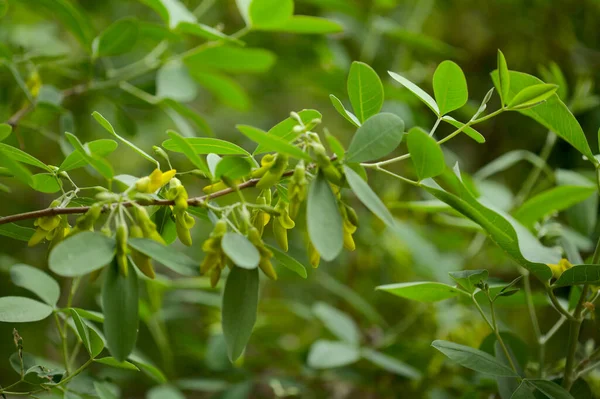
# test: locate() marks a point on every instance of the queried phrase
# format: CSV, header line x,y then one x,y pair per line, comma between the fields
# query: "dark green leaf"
x,y
81,254
473,359
120,306
240,303
579,274
324,222
306,24
16,232
18,309
36,281
89,337
365,91
523,392
5,130
22,156
240,250
426,154
118,38
376,138
423,291
550,389
15,168
164,392
449,87
469,131
112,362
233,168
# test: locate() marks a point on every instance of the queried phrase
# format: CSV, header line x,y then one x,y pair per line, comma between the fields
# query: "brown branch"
x,y
196,201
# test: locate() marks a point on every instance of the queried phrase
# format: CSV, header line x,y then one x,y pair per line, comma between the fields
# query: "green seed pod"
x,y
121,236
313,255
273,175
280,234
183,232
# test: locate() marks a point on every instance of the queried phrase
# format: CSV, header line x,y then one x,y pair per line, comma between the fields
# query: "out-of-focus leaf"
x,y
423,291
338,323
118,38
272,142
175,82
225,89
16,232
473,359
230,59
390,364
168,256
329,354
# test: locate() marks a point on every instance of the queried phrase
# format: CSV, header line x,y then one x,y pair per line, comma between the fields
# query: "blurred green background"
x,y
182,335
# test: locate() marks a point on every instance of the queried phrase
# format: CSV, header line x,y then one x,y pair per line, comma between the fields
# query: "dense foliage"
x,y
212,199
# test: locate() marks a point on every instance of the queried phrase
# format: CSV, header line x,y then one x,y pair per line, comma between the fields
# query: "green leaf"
x,y
469,278
225,89
45,183
240,250
90,315
148,368
230,59
287,261
328,354
449,87
164,392
339,107
168,256
113,362
109,128
92,342
205,31
118,38
188,151
181,113
523,392
473,359
369,199
81,254
18,309
36,281
272,142
579,274
336,147
203,145
468,130
507,233
422,291
365,91
270,13
503,78
285,129
338,323
306,24
104,391
550,389
550,201
171,11
70,15
233,168
532,95
99,148
553,113
173,81
376,138
16,232
212,160
426,154
98,163
324,222
22,156
120,306
390,364
5,130
19,171
240,303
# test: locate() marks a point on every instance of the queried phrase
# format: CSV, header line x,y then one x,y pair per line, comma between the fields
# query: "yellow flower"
x,y
157,179
560,268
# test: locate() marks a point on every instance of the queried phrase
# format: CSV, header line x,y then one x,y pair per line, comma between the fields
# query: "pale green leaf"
x,y
390,364
186,148
328,354
503,78
532,95
230,59
417,91
168,256
579,274
174,81
272,142
285,129
92,342
306,24
81,254
324,222
468,130
426,154
270,13
288,262
5,130
45,183
17,309
225,89
240,250
423,291
36,281
473,359
118,38
112,362
338,323
204,145
369,199
233,168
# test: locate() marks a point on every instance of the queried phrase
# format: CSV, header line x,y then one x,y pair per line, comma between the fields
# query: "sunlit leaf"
x,y
423,291
449,87
365,91
417,91
426,154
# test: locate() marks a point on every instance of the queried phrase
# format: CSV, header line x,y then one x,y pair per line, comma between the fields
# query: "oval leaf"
x,y
365,91
240,250
328,354
81,254
36,281
449,87
18,309
376,138
118,38
426,154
